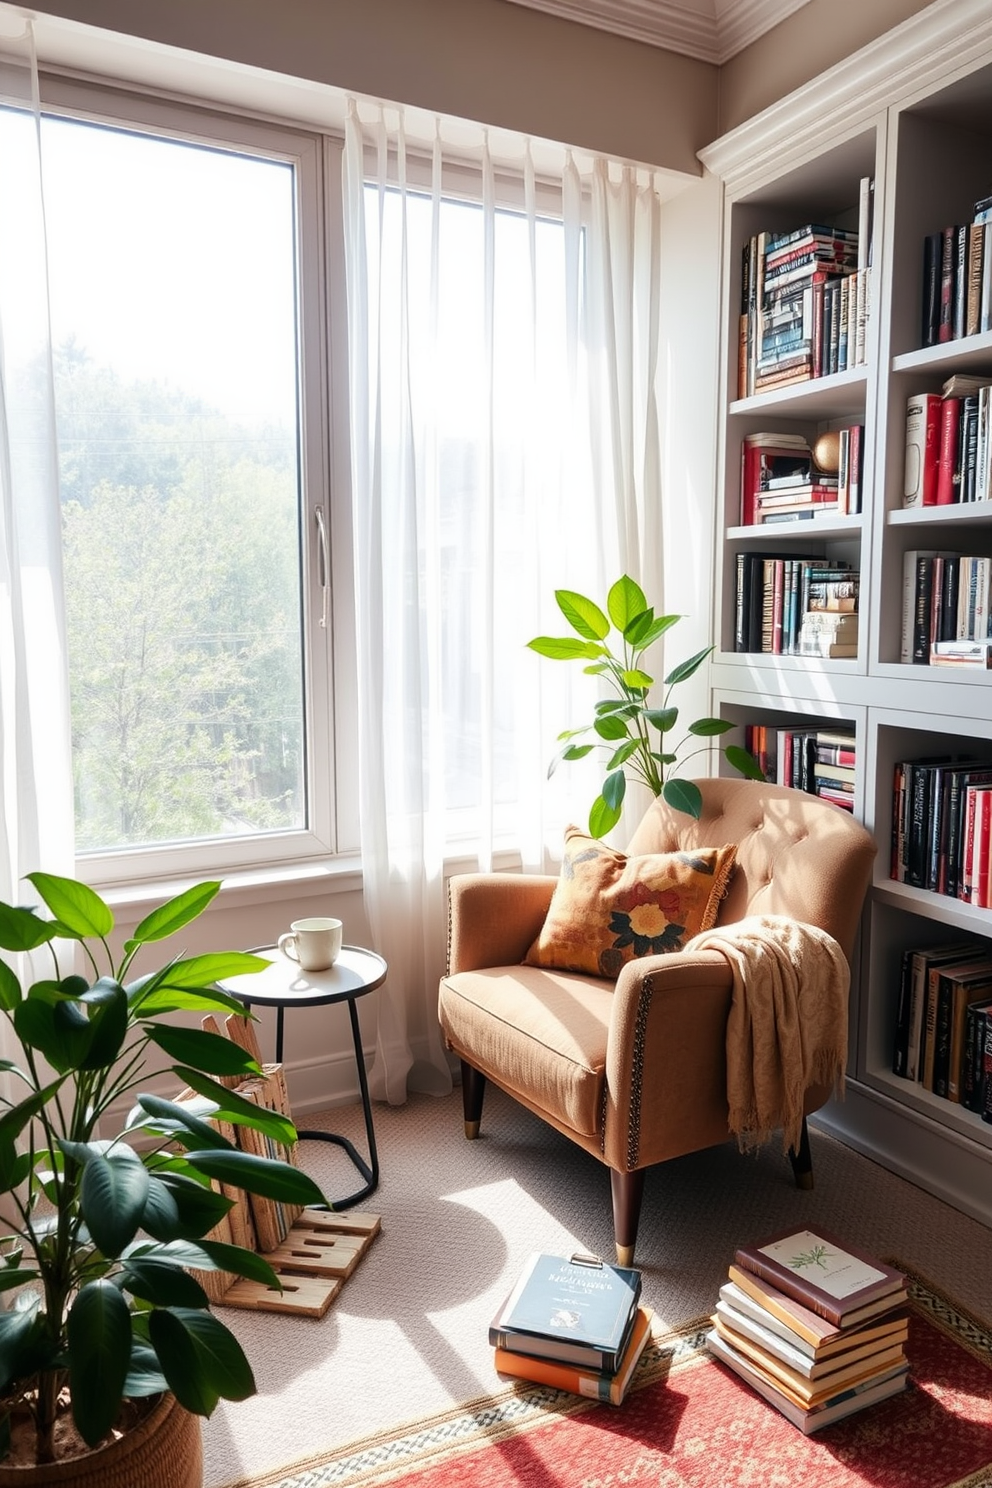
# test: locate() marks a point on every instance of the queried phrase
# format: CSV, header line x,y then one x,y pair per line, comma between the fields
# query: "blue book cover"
x,y
579,1305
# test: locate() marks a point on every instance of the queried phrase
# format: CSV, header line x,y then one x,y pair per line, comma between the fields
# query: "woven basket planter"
x,y
164,1451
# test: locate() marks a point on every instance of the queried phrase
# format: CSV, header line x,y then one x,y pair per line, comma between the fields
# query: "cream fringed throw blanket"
x,y
787,1027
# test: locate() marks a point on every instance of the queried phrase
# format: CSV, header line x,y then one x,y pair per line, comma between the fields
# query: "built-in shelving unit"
x,y
914,112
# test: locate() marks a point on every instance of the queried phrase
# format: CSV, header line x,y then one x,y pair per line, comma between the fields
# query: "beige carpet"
x,y
407,1334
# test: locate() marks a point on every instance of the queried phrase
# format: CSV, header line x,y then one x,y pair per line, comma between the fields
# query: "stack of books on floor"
x,y
574,1323
815,1325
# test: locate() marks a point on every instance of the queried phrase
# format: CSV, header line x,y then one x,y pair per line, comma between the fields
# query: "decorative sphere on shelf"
x,y
826,452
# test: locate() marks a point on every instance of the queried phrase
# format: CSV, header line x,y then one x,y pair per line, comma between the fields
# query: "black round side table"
x,y
284,984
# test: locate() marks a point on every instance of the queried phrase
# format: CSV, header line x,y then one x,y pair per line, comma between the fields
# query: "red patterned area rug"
x,y
691,1423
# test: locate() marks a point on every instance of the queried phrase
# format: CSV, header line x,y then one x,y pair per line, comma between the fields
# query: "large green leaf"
x,y
112,1197
683,795
563,648
13,1122
197,1209
22,930
99,1336
175,1119
609,726
207,1255
644,636
107,1003
205,1051
144,1377
625,602
161,1216
74,905
744,761
175,915
623,754
662,719
198,973
622,707
614,789
162,1282
707,728
14,1166
201,1359
602,817
11,1276
241,1262
637,680
685,669
60,1031
161,999
585,617
10,988
270,1177
574,752
234,1107
20,1344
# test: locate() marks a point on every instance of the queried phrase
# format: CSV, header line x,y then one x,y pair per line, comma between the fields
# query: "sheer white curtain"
x,y
36,812
504,445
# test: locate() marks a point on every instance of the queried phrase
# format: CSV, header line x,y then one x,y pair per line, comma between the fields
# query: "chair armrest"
x,y
493,918
666,1071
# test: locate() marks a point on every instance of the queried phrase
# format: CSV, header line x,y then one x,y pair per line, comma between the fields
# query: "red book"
x,y
980,848
948,488
922,449
971,847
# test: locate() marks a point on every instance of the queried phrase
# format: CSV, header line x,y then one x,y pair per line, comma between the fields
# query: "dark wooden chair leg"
x,y
473,1094
628,1190
802,1161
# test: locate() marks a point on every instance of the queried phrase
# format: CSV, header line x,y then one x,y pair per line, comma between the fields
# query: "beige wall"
x,y
806,43
488,60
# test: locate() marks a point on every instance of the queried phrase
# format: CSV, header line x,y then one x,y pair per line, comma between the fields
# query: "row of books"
x,y
957,279
948,456
795,606
816,1326
821,762
781,482
805,301
574,1323
946,608
943,1031
941,821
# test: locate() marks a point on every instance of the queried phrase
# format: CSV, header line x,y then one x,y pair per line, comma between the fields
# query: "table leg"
x,y
369,1170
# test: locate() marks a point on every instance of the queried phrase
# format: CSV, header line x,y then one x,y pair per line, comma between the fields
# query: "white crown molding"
x,y
708,30
739,22
949,36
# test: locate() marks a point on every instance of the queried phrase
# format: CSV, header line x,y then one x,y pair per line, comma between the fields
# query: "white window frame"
x,y
330,763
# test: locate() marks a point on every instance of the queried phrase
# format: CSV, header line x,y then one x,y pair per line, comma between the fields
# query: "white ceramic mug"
x,y
314,943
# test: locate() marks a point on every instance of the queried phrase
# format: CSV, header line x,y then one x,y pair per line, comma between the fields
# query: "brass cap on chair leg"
x,y
472,1129
625,1255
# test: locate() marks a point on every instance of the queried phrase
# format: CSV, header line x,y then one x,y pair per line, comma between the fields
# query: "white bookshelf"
x,y
914,111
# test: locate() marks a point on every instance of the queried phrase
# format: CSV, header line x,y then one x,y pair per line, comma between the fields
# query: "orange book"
x,y
593,1383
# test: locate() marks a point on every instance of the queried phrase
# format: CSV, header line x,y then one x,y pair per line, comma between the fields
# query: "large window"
x,y
196,673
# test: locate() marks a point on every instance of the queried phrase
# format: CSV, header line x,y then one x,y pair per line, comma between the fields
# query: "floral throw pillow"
x,y
608,908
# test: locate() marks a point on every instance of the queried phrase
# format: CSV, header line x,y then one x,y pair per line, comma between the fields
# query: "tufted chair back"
x,y
796,855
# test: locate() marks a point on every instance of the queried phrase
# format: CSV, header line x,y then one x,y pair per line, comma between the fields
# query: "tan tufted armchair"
x,y
635,1071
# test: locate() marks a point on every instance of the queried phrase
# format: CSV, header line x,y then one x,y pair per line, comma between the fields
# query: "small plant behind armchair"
x,y
626,724
104,1232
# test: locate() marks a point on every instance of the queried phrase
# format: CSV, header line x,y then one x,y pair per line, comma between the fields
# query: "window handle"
x,y
322,563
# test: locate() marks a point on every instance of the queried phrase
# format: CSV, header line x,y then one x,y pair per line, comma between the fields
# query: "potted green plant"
x,y
627,725
103,1227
